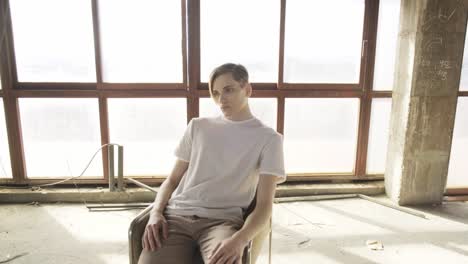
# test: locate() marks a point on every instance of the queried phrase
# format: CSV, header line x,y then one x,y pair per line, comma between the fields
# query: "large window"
x,y
87,73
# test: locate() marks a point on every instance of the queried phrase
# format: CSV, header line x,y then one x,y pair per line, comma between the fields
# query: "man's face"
x,y
229,95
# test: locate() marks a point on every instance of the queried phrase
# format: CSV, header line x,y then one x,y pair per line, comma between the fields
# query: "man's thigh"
x,y
214,233
179,247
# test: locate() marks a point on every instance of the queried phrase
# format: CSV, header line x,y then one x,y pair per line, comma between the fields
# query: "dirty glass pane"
x,y
464,70
241,31
60,135
320,134
387,38
378,135
458,165
141,41
53,40
149,129
5,165
322,41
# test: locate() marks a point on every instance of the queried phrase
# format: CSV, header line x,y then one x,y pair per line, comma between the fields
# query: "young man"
x,y
222,162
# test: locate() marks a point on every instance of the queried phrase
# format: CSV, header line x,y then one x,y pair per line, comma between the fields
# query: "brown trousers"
x,y
186,235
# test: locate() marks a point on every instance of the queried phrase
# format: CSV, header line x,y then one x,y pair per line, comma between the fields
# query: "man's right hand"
x,y
157,225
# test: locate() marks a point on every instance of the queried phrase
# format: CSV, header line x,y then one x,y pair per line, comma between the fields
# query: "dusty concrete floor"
x,y
333,231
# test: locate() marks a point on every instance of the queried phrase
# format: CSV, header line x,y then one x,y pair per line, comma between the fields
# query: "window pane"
x,y
141,41
262,108
387,38
149,129
320,134
228,35
5,165
323,46
378,135
458,165
464,69
60,136
53,40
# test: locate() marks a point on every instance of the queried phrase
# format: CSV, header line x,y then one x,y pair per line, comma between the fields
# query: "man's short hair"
x,y
239,74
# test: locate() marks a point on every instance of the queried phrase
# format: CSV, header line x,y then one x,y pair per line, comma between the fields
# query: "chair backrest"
x,y
251,207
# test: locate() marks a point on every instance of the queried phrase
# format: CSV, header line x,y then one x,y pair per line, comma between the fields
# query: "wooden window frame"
x,y
191,88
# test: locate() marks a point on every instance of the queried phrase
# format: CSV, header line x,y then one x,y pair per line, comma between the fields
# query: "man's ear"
x,y
248,89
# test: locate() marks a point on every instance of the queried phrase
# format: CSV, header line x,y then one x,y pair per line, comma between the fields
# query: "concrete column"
x,y
427,75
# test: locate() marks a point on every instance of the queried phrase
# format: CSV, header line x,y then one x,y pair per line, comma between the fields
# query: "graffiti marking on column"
x,y
441,17
432,43
437,71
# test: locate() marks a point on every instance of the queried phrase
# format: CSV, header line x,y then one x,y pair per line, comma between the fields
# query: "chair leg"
x,y
270,235
247,258
258,242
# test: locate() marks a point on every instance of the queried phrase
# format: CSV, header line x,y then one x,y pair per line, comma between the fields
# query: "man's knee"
x,y
177,248
215,235
168,255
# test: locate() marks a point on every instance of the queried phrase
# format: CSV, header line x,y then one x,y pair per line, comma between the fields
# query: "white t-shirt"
x,y
225,160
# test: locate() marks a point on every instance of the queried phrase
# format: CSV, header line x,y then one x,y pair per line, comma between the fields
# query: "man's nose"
x,y
222,98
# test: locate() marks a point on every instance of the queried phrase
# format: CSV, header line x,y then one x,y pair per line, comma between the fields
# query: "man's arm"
x,y
231,248
157,223
169,185
260,216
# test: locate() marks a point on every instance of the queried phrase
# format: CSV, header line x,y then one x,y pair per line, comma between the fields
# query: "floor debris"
x,y
303,242
8,258
374,245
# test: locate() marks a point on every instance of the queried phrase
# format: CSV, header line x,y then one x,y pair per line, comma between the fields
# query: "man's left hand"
x,y
229,251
